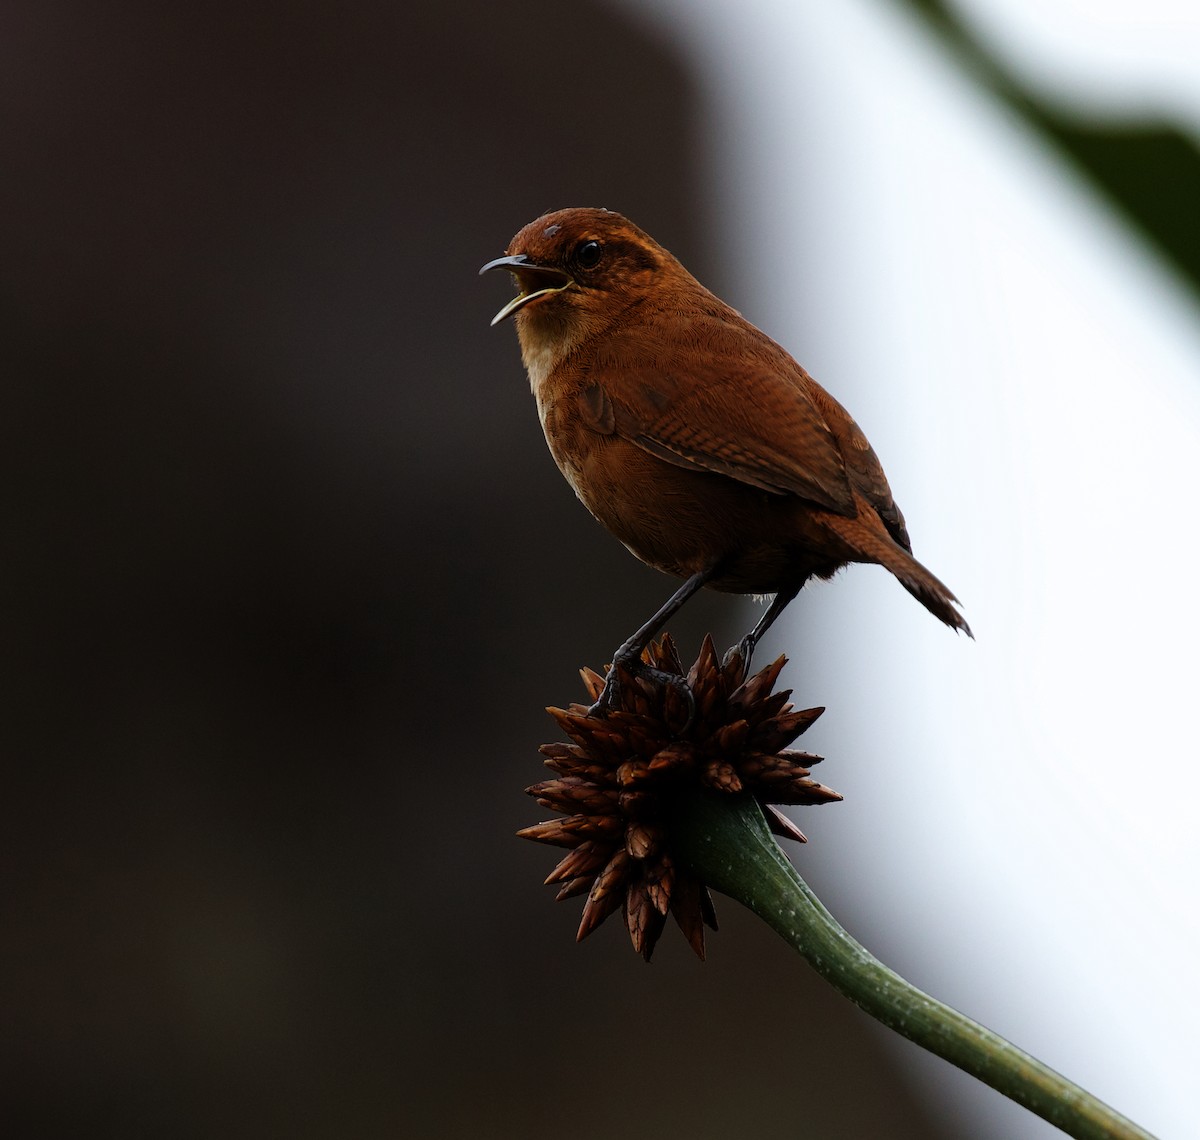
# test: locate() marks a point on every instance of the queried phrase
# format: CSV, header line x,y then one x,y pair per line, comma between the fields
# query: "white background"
x,y
1019,829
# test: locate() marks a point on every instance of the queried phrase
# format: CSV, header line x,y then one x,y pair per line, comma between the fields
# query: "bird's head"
x,y
577,270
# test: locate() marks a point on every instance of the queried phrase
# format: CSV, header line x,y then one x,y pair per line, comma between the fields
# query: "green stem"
x,y
725,840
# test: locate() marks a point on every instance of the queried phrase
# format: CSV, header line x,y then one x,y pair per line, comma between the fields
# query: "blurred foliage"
x,y
1149,171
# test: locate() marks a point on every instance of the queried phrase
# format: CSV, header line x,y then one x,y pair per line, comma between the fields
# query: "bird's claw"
x,y
744,650
610,695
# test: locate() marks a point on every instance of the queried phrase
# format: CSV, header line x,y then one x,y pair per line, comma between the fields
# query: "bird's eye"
x,y
587,254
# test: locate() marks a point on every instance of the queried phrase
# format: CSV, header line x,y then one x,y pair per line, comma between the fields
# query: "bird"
x,y
691,435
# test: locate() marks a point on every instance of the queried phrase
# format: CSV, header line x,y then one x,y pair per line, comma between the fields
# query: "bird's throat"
x,y
544,345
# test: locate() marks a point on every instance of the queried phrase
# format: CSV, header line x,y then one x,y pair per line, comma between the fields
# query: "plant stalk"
x,y
726,841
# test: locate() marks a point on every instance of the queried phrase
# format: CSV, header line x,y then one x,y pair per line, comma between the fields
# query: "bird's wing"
x,y
862,465
734,403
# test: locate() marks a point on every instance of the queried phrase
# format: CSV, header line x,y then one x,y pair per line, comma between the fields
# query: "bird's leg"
x,y
629,656
745,648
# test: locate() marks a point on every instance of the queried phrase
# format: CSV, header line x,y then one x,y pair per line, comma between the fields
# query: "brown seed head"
x,y
620,777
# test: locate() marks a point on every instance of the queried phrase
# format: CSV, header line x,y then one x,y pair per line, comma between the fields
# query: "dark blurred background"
x,y
288,576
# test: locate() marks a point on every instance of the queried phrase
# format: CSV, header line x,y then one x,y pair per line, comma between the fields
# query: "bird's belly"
x,y
682,521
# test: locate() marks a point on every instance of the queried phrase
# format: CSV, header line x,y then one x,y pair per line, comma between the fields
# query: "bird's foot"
x,y
628,671
609,695
744,650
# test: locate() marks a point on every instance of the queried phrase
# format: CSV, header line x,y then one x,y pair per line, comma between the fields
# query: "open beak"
x,y
535,281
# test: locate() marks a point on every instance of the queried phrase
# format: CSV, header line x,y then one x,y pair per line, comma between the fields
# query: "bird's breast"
x,y
570,441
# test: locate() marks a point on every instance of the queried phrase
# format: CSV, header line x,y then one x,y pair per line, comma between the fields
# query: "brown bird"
x,y
691,435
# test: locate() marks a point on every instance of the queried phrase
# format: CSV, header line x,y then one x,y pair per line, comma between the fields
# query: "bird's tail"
x,y
876,545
